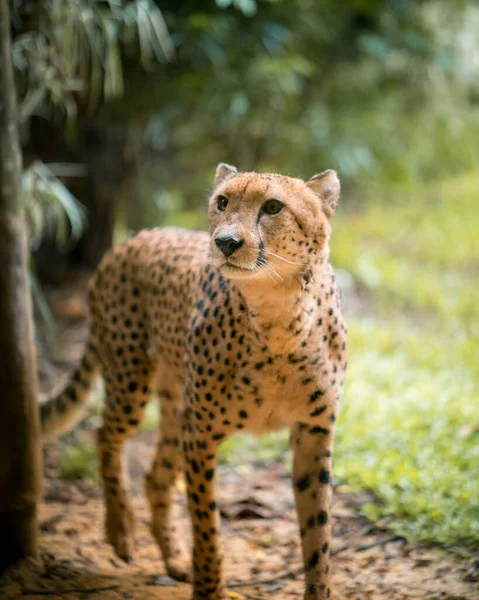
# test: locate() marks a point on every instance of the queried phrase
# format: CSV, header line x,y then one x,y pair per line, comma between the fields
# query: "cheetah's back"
x,y
145,290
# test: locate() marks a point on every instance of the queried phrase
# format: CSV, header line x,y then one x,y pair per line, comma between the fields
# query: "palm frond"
x,y
76,51
51,209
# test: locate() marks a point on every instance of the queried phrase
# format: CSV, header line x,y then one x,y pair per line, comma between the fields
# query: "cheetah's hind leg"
x,y
160,482
126,397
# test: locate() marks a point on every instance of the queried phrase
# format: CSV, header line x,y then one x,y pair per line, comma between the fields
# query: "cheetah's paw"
x,y
123,544
179,569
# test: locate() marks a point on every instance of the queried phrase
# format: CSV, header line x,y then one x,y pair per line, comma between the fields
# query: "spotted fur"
x,y
243,335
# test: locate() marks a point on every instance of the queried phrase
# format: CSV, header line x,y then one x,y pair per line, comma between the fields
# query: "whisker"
x,y
263,264
270,268
285,259
271,277
268,271
276,273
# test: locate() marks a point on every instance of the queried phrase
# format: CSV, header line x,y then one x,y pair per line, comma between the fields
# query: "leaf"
x,y
50,205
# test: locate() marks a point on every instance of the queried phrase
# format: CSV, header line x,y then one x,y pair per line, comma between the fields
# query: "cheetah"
x,y
238,329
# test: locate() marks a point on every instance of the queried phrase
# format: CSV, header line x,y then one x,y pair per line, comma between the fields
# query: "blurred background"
x,y
126,107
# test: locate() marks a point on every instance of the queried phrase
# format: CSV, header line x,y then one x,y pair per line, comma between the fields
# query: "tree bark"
x,y
20,458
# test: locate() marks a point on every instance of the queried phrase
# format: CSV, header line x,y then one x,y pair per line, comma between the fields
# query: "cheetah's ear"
x,y
224,172
326,186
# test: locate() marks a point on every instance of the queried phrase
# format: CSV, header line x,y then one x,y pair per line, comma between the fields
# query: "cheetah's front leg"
x,y
312,479
200,466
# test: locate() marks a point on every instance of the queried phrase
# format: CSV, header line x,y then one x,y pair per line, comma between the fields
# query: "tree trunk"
x,y
109,152
104,155
20,458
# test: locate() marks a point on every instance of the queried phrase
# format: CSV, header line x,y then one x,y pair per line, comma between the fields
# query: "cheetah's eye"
x,y
272,207
221,203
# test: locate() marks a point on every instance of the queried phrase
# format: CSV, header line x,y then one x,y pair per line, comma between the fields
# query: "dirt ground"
x,y
259,531
260,540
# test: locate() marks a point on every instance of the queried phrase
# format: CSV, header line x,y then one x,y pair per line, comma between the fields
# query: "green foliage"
x,y
373,88
416,248
407,430
302,86
50,208
79,461
241,449
69,53
150,422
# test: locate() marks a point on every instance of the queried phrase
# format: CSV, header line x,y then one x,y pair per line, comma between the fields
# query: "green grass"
x,y
79,461
243,450
408,430
416,248
151,418
436,222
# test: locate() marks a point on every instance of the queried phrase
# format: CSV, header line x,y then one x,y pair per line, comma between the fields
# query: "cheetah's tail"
x,y
63,410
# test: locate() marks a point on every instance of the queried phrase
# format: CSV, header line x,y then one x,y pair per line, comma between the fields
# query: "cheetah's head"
x,y
270,226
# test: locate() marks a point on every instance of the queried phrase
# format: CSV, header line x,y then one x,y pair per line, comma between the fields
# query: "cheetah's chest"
x,y
253,390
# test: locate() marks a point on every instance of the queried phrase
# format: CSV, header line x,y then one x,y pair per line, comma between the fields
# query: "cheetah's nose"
x,y
229,244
